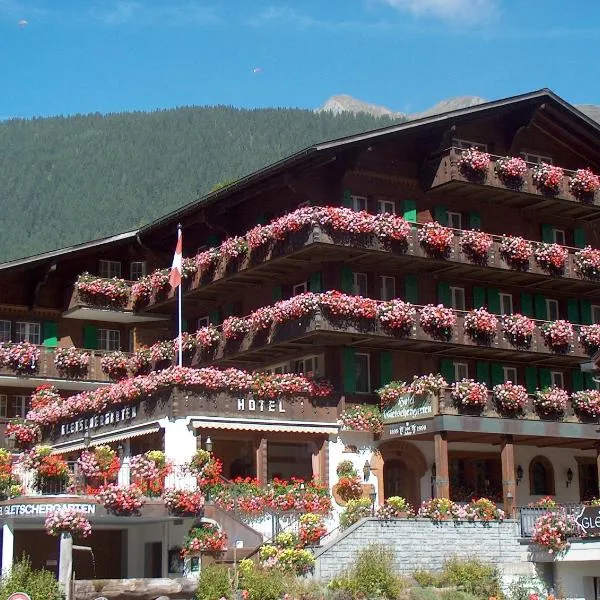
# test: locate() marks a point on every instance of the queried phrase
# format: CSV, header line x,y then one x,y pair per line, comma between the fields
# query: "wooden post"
x,y
261,460
509,486
598,467
442,475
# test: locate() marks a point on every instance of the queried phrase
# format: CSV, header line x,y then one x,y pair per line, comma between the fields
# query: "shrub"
x,y
473,576
214,583
262,584
355,511
23,578
423,594
457,595
428,578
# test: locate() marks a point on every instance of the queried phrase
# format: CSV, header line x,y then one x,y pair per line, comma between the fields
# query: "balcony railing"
x,y
528,515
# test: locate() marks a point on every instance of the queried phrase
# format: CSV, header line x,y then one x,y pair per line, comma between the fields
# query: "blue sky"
x,y
80,56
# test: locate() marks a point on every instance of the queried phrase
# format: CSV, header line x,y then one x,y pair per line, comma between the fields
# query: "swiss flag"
x,y
176,267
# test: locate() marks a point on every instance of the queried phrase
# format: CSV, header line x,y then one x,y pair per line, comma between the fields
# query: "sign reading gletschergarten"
x,y
30,509
410,408
589,520
127,413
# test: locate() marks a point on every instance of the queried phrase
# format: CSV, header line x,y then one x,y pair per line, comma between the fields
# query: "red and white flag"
x,y
177,266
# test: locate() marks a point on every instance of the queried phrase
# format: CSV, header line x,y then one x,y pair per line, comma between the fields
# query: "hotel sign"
x,y
589,521
110,417
39,509
410,408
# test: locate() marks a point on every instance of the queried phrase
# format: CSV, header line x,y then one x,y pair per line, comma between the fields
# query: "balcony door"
x,y
399,479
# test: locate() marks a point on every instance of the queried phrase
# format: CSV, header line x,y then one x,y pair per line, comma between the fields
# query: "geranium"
x,y
587,263
427,384
47,468
362,418
184,503
244,495
298,495
558,335
346,468
25,434
354,511
206,468
436,239
468,393
162,353
22,358
516,251
476,245
189,343
207,537
235,328
311,529
551,401
589,336
473,162
341,305
113,293
71,362
207,338
437,321
397,315
552,530
511,170
121,500
480,325
234,248
349,488
438,509
551,257
584,184
140,362
547,178
67,520
586,403
545,502
390,393
148,471
115,365
481,509
518,330
395,507
207,260
101,462
44,395
510,397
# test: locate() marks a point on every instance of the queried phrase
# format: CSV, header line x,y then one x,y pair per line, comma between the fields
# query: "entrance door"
x,y
588,481
400,480
153,559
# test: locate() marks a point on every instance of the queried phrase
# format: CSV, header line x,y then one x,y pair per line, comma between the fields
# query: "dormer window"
x,y
109,268
536,159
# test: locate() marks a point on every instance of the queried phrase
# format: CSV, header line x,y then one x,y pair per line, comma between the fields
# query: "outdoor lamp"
x,y
9,443
192,427
87,438
208,444
519,474
433,471
366,470
569,476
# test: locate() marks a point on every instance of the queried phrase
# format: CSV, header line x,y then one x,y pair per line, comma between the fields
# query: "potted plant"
x,y
473,163
206,468
208,338
245,496
510,397
551,401
121,501
586,404
342,306
518,330
362,418
115,365
589,336
438,509
552,530
552,258
67,521
437,321
476,245
390,393
51,472
148,471
468,393
163,354
481,509
481,326
511,171
311,529
71,362
547,178
587,263
516,252
99,465
584,184
436,239
235,328
395,507
184,503
22,358
558,336
354,511
207,538
397,316
140,362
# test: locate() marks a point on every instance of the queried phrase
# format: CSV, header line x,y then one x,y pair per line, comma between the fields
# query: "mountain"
x,y
344,103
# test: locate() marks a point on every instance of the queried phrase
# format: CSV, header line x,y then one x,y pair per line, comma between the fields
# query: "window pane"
x,y
5,331
388,287
386,206
552,309
458,298
3,406
510,374
203,321
109,268
506,304
28,332
461,371
455,220
360,284
595,313
559,236
138,270
109,339
558,379
359,203
363,384
299,288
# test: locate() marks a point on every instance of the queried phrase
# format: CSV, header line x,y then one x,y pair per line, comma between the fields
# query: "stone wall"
x,y
422,544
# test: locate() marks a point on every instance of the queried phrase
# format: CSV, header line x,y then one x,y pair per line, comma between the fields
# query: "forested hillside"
x,y
67,180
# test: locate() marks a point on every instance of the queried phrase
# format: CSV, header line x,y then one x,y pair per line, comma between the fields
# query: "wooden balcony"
x,y
312,332
442,173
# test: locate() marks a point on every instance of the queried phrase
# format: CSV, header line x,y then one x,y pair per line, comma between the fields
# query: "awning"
x,y
278,426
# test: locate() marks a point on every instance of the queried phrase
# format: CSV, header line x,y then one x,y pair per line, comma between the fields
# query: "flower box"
x,y
207,537
436,239
476,246
516,252
96,291
469,394
99,464
589,336
518,330
511,171
552,258
473,164
586,404
362,418
25,434
121,501
184,503
480,326
587,263
551,401
437,321
397,316
22,358
510,397
547,178
71,362
115,365
584,184
558,336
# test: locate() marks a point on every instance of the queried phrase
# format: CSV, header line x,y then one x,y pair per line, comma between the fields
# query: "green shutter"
x,y
411,288
347,279
586,312
579,237
478,297
497,374
443,293
526,304
493,295
213,317
547,235
474,220
541,311
90,337
277,293
227,310
545,378
447,369
385,367
50,334
531,379
590,384
573,310
440,214
184,325
410,211
482,373
349,370
347,199
315,282
577,380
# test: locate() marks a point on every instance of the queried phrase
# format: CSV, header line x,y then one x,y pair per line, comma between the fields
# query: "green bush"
x,y
473,576
423,594
458,595
214,583
429,578
40,585
355,511
262,584
520,588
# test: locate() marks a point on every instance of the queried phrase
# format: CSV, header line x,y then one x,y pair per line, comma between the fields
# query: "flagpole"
x,y
180,309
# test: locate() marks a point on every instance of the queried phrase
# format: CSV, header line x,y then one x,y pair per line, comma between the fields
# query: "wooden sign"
x,y
407,428
589,521
410,407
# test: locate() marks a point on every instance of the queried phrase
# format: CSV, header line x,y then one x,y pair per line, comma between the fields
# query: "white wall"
x,y
575,581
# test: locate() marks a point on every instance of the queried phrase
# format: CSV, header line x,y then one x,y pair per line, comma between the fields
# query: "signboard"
x,y
407,428
41,509
127,413
410,408
19,596
589,521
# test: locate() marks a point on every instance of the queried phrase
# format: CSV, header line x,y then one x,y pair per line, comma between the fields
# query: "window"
x,y
506,304
466,144
203,321
386,206
358,203
559,236
558,379
280,369
110,268
457,298
387,287
454,220
536,159
309,366
359,284
595,313
137,270
299,288
551,309
109,339
20,406
510,374
541,477
28,332
3,405
5,327
461,371
363,373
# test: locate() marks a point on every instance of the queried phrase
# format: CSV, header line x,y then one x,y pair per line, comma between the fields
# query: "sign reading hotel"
x,y
253,405
410,408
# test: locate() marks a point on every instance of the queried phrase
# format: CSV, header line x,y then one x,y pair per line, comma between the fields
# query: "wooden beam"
x,y
509,486
442,474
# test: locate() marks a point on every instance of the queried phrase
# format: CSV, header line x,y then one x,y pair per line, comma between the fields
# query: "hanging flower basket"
x,y
587,263
586,403
511,171
437,321
589,336
184,503
584,184
510,397
121,501
547,178
206,538
476,245
67,520
551,401
436,239
95,291
552,530
468,393
481,326
361,418
558,336
552,258
518,330
397,316
349,488
516,252
115,365
71,362
473,163
101,464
